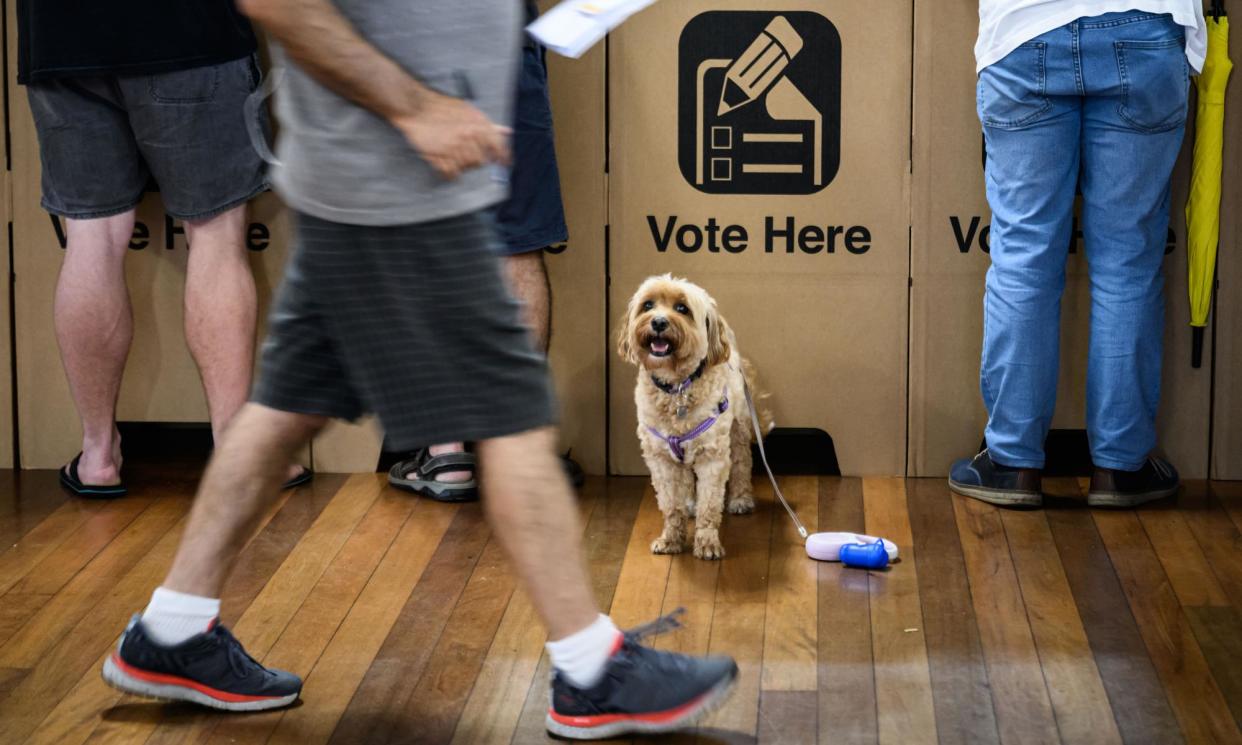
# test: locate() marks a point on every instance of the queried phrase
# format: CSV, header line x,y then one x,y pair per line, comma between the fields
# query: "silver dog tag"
x,y
681,411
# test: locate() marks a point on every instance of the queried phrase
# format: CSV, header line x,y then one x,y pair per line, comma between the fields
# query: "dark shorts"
x,y
102,139
533,217
411,322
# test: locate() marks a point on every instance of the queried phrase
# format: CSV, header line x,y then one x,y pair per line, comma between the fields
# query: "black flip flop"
x,y
302,478
426,467
69,479
574,471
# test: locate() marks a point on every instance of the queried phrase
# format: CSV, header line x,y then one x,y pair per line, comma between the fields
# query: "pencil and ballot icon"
x,y
750,75
749,126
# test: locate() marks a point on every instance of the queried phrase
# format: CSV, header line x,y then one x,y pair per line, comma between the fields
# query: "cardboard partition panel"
x,y
576,273
6,345
761,150
1227,416
950,231
577,270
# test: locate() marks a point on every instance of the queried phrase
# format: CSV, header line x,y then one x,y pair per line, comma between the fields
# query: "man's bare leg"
x,y
221,308
241,483
531,508
220,311
603,687
528,281
94,327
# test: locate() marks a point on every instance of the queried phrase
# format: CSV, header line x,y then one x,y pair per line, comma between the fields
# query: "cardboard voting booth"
x,y
949,244
816,171
7,434
1227,415
761,150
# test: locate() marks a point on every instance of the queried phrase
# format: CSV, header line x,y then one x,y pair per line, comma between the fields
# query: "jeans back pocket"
x,y
1155,83
196,85
1012,93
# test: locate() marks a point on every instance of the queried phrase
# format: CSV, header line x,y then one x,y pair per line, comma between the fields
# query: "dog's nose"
x,y
659,324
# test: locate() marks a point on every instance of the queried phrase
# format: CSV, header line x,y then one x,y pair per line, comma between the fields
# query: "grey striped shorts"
x,y
412,322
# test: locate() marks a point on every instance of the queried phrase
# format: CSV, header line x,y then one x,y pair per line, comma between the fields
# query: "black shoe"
x,y
210,669
643,691
985,480
1157,479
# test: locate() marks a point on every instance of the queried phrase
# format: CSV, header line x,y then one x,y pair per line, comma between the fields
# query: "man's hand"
x,y
453,136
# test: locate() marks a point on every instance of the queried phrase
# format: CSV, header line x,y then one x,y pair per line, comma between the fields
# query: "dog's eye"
x,y
682,309
648,305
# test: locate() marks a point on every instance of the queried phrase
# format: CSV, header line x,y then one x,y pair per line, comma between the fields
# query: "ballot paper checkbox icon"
x,y
759,107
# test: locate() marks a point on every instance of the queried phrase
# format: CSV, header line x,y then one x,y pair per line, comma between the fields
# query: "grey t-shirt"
x,y
342,163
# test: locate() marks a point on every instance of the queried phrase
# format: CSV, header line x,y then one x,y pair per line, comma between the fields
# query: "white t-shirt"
x,y
1006,24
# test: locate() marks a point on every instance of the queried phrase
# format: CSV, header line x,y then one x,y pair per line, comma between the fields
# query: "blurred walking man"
x,y
394,302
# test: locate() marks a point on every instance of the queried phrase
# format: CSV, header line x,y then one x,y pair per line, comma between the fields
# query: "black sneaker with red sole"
x,y
211,669
643,691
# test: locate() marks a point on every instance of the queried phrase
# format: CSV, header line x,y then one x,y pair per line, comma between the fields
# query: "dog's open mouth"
x,y
659,347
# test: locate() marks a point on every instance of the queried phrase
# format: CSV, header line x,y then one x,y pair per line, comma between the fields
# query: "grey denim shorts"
x,y
104,139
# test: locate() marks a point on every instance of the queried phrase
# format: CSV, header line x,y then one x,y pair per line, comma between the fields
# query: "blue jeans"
x,y
1099,103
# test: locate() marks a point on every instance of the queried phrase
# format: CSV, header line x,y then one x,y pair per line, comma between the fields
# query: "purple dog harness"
x,y
676,441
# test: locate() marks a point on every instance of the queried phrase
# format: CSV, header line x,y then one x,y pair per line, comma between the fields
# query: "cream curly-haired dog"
x,y
693,421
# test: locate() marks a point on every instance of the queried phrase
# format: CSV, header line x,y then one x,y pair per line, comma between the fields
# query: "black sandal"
x,y
69,479
426,467
304,476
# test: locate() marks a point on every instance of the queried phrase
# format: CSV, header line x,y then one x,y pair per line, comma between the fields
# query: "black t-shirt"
x,y
72,38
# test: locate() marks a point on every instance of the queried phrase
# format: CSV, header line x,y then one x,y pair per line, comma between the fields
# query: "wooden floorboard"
x,y
1196,698
739,629
905,711
1057,625
1138,700
379,710
960,687
1020,693
26,499
846,678
1083,715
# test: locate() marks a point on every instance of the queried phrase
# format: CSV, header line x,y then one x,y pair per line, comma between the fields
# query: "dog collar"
x,y
675,442
673,390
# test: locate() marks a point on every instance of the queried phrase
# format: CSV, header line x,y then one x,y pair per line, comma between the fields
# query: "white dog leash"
x,y
754,420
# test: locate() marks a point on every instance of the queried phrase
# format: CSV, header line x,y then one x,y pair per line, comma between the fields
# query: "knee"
x,y
1126,284
287,427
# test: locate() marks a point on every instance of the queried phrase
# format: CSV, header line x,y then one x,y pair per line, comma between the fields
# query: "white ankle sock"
x,y
172,617
581,657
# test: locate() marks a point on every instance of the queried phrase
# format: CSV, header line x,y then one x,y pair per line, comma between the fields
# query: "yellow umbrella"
x,y
1203,207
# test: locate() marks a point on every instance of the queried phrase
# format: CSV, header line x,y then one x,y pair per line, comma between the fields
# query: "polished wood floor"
x,y
1061,625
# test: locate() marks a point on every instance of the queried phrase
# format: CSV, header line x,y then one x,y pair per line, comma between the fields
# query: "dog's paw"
x,y
707,545
742,505
666,545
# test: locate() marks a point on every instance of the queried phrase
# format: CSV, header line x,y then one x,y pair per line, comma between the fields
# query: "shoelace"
x,y
1163,470
661,625
239,659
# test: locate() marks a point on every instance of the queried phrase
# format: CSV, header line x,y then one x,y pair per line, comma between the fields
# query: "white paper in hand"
x,y
574,26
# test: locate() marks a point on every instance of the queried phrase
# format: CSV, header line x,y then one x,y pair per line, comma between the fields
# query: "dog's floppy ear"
x,y
625,347
625,343
718,335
